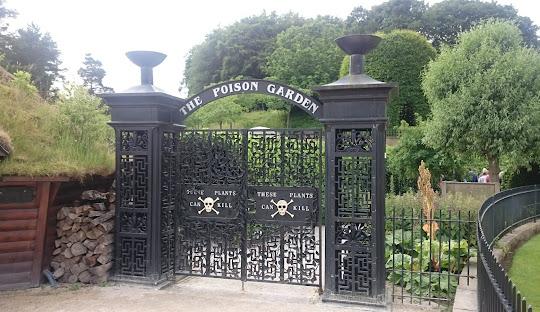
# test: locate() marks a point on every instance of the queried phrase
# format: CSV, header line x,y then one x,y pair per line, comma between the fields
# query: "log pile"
x,y
84,245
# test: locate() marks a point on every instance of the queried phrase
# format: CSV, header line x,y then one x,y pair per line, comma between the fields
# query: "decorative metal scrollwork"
x,y
210,247
133,255
353,187
133,222
243,248
354,274
133,201
135,140
353,222
354,140
133,181
353,235
169,168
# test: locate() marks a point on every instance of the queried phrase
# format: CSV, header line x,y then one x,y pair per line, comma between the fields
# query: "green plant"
x,y
426,250
23,81
239,49
403,159
527,174
300,61
425,267
410,203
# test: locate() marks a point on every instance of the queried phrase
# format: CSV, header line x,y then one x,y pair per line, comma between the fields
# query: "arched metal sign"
x,y
307,103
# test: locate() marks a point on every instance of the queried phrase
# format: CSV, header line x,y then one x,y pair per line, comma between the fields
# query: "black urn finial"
x,y
146,60
357,46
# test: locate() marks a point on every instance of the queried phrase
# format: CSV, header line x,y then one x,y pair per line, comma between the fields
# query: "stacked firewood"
x,y
84,244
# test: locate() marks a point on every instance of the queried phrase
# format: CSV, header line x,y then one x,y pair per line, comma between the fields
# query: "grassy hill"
x,y
270,119
69,137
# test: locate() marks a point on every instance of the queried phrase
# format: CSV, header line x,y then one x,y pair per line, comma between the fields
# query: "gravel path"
x,y
189,294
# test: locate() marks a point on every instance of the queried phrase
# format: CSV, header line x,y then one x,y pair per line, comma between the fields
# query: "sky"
x,y
109,28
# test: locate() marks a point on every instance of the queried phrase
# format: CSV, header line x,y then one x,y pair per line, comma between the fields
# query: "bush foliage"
x,y
405,157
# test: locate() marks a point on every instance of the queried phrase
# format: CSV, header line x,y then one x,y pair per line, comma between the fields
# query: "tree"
x,y
401,57
393,14
5,14
240,49
405,157
35,52
440,23
306,55
301,61
92,74
444,21
485,96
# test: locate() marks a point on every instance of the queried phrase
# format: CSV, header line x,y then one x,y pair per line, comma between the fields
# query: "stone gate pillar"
x,y
144,118
355,121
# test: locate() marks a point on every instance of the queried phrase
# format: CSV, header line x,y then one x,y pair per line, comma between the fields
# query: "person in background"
x,y
484,176
471,175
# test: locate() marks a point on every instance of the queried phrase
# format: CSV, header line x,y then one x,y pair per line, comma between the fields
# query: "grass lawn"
x,y
524,271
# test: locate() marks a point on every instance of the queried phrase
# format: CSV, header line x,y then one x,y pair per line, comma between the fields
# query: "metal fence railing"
x,y
424,268
392,132
499,214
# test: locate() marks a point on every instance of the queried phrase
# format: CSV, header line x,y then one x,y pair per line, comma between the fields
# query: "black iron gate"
x,y
249,203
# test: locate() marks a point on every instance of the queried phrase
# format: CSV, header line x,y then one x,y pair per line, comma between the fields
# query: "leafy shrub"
x,y
81,130
523,175
425,267
303,62
23,81
428,240
405,157
484,94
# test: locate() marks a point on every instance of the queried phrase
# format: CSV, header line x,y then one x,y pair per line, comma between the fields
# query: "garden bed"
x,y
424,268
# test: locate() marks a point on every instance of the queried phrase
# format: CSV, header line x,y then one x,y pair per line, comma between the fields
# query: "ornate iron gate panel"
x,y
249,205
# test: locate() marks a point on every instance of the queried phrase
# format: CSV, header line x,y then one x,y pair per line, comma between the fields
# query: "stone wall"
x,y
477,190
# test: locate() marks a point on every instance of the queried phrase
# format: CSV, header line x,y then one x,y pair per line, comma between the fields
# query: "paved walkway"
x,y
189,294
466,294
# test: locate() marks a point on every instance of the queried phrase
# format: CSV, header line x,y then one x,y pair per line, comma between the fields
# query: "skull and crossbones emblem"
x,y
282,207
208,205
